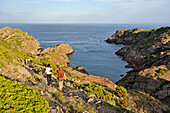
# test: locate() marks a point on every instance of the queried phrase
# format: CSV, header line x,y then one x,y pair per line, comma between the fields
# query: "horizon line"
x,y
77,23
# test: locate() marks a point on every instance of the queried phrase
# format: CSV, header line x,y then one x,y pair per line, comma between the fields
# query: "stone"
x,y
85,112
90,100
121,75
98,102
51,89
81,69
92,96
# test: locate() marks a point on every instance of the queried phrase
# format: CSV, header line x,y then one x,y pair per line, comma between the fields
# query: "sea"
x,y
88,41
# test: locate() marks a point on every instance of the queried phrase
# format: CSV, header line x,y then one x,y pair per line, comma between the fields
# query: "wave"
x,y
78,42
51,41
92,51
70,42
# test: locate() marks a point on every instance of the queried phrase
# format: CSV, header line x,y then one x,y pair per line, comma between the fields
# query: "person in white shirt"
x,y
48,71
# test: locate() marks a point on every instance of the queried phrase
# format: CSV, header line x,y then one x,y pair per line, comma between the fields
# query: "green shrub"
x,y
28,55
17,35
153,67
15,97
76,105
1,65
99,91
123,101
153,76
15,70
19,31
121,92
131,82
162,71
167,111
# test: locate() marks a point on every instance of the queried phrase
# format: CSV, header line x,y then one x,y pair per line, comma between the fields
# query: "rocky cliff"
x,y
15,46
148,53
58,54
81,93
20,40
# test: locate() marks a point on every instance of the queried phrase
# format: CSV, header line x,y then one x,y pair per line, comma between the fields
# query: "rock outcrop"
x,y
148,53
80,69
58,54
19,38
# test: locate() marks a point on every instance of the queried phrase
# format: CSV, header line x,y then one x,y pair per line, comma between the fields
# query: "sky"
x,y
85,11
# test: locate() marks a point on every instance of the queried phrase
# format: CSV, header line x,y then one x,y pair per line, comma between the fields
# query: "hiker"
x,y
28,61
48,71
25,61
61,76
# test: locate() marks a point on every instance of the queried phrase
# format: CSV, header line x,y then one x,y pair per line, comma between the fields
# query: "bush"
x,y
131,82
167,111
121,92
15,97
162,71
99,91
75,105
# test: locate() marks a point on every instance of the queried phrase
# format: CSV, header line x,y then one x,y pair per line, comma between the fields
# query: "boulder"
x,y
90,100
81,69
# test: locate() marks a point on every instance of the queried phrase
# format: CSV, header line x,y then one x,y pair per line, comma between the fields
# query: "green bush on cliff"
x,y
15,98
131,82
74,104
99,91
121,92
149,60
9,53
162,71
28,55
19,31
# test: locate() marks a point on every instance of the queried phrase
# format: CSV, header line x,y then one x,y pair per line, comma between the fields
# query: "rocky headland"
x,y
82,92
148,53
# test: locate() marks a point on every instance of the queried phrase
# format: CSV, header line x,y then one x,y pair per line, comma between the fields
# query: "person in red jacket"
x,y
61,76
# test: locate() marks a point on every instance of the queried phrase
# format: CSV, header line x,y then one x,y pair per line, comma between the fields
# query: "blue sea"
x,y
87,40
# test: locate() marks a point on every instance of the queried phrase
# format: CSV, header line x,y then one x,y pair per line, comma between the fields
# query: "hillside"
x,y
82,92
148,53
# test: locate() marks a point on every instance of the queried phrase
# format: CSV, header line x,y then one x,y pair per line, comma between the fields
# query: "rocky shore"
x,y
82,92
148,53
17,45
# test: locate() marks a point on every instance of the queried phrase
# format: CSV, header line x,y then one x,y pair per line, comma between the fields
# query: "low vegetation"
x,y
162,71
99,91
15,97
74,104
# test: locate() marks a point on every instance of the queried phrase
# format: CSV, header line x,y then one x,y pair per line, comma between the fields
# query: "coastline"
x,y
147,52
96,93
